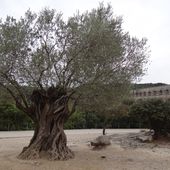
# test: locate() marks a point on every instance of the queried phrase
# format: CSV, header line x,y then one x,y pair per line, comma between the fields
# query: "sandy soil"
x,y
117,157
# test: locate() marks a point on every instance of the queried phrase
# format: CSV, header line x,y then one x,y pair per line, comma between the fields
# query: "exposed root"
x,y
65,154
31,154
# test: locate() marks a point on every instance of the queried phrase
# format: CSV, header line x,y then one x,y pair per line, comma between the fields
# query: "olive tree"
x,y
63,62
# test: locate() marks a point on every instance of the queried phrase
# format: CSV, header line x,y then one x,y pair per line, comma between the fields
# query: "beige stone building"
x,y
152,92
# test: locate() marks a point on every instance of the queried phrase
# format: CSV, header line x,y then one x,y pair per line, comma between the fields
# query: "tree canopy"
x,y
89,50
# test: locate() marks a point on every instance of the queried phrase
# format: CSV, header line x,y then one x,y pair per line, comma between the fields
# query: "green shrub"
x,y
155,113
13,119
76,121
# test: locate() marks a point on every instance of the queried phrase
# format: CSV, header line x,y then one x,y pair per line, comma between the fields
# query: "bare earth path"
x,y
117,157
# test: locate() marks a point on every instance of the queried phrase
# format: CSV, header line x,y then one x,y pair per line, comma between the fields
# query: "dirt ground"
x,y
119,156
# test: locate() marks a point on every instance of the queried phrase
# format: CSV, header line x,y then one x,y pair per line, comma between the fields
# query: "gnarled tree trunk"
x,y
49,111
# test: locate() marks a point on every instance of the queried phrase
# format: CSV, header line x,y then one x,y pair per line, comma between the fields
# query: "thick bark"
x,y
49,140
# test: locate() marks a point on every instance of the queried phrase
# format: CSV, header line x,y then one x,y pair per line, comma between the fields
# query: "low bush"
x,y
155,113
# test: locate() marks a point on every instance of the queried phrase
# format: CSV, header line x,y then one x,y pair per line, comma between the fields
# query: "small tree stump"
x,y
101,141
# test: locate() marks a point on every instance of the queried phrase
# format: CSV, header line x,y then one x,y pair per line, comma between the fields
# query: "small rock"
x,y
101,141
145,138
130,160
103,156
36,163
142,130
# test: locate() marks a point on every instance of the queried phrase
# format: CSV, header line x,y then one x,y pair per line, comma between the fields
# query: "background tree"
x,y
155,113
13,119
63,63
107,101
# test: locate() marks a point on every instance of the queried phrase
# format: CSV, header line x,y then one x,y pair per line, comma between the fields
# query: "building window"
x,y
149,93
166,91
154,93
160,92
144,93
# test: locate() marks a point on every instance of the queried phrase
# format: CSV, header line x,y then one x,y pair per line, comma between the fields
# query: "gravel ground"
x,y
120,155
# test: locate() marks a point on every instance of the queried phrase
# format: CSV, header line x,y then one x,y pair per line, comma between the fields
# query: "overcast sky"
x,y
142,18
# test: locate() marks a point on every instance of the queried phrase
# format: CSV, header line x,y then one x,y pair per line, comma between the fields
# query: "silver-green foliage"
x,y
89,53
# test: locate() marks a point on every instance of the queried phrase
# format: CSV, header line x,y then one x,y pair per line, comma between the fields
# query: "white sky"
x,y
142,18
